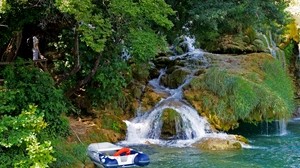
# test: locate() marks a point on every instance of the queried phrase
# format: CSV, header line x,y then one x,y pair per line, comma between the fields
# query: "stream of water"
x,y
266,151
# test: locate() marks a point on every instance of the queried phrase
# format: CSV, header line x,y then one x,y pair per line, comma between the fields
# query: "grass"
x,y
227,98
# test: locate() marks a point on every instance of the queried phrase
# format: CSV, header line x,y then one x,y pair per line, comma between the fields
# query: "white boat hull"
x,y
111,156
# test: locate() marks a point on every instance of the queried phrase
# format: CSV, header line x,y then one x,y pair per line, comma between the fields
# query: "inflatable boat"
x,y
109,155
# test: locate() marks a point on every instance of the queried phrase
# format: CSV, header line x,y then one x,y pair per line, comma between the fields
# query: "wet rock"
x,y
163,62
216,143
169,119
150,98
176,78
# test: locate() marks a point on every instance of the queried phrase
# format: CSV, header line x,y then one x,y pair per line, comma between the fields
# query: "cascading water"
x,y
271,45
277,54
275,128
274,50
190,127
193,54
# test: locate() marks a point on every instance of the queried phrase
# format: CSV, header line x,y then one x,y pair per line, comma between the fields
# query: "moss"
x,y
263,92
176,78
169,118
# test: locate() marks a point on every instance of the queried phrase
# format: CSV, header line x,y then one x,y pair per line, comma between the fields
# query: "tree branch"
x,y
87,79
77,66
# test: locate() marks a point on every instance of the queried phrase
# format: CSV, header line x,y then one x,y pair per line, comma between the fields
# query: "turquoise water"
x,y
266,151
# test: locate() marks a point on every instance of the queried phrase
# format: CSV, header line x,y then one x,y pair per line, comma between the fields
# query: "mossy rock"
x,y
150,98
176,78
140,72
217,144
162,62
169,118
242,88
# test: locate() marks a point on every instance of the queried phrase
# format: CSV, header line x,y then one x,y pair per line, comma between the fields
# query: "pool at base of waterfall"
x,y
266,151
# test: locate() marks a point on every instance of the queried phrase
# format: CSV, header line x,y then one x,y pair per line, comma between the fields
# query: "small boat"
x,y
109,155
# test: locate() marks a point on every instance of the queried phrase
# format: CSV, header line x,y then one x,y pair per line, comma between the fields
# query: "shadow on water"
x,y
274,128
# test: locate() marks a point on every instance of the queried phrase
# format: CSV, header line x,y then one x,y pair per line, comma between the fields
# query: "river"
x,y
266,151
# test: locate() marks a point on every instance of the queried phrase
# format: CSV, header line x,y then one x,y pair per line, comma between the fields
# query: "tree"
x,y
32,86
19,145
12,20
105,30
210,19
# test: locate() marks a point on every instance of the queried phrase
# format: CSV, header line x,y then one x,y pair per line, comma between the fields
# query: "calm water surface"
x,y
266,151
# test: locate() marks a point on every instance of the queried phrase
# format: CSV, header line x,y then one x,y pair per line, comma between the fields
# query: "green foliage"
x,y
18,138
138,25
106,29
144,45
210,19
106,86
94,28
281,84
141,12
289,51
111,123
239,98
3,6
214,80
30,85
12,15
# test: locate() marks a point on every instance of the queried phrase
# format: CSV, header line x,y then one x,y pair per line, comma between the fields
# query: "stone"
x,y
216,143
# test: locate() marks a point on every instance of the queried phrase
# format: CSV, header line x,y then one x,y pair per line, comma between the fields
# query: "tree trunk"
x,y
87,79
76,67
12,48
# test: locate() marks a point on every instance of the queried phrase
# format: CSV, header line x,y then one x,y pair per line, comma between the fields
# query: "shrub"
x,y
19,145
33,86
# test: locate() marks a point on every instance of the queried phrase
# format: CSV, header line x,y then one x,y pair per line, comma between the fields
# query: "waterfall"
x,y
274,128
147,127
194,55
282,127
271,45
190,127
276,52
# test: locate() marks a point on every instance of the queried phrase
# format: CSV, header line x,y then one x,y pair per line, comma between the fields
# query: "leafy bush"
x,y
19,146
33,86
106,87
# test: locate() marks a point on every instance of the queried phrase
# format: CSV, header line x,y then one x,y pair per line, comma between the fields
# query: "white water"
x,y
271,45
274,50
275,128
193,54
146,127
277,54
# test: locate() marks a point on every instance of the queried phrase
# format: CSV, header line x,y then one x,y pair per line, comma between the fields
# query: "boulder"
x,y
175,78
216,143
